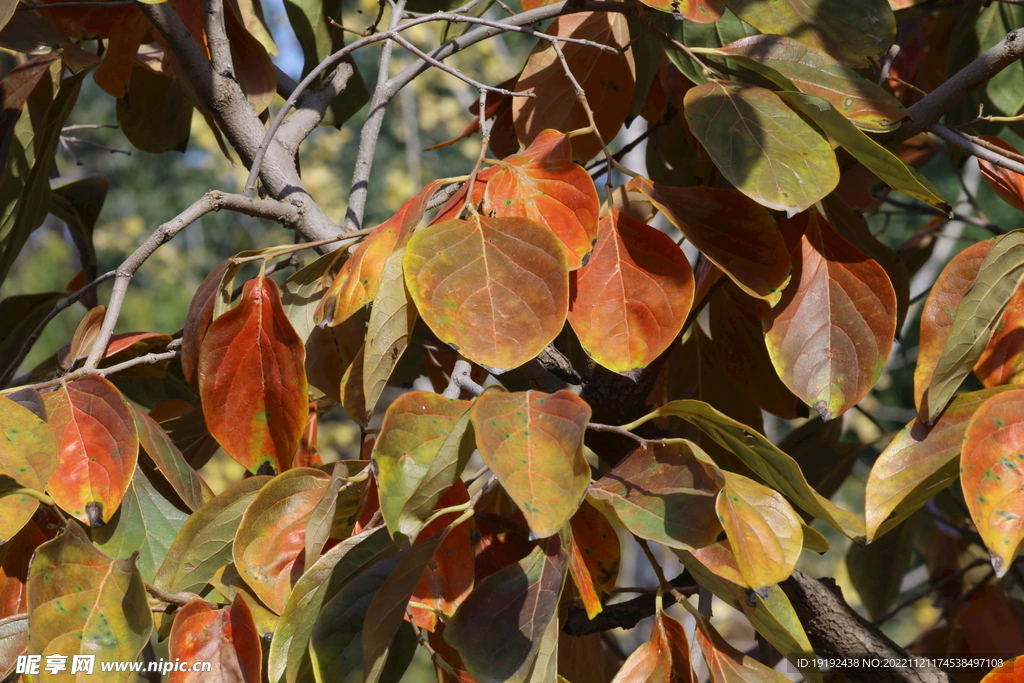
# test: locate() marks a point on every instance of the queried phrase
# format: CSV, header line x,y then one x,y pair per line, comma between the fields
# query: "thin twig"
x,y
982,142
437,64
612,429
217,39
956,576
181,598
147,359
462,380
66,139
76,3
929,210
485,141
658,571
292,248
890,57
958,140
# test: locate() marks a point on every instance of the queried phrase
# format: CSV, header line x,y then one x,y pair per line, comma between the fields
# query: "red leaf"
x,y
594,556
253,382
608,80
99,448
543,184
1002,361
308,454
631,299
227,638
197,322
831,333
1007,184
14,561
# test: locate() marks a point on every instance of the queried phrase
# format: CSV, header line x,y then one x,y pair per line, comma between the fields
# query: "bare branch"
x,y
462,379
954,138
217,39
455,72
147,359
180,599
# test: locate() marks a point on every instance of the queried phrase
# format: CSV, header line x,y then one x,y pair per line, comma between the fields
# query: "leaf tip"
x,y
823,410
94,513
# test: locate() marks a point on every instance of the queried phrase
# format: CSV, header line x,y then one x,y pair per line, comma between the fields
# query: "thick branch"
x,y
836,631
624,614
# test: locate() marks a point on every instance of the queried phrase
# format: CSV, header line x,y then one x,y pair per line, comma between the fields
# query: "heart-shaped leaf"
x,y
735,233
99,448
607,79
28,455
498,629
663,493
252,380
270,543
630,301
533,442
81,601
990,473
225,637
831,334
761,146
495,288
418,455
543,184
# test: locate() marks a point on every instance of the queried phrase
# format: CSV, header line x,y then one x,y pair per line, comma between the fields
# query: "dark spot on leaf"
x,y
266,468
94,512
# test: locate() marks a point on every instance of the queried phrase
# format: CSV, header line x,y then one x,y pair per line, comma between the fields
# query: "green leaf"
x,y
499,628
418,455
166,457
976,318
776,468
877,570
336,513
80,601
761,146
877,159
146,522
728,29
320,583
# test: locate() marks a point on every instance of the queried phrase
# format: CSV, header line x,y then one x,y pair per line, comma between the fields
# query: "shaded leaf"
x,y
630,301
146,523
761,146
794,65
155,113
80,601
1004,182
543,184
697,11
594,556
227,637
78,202
877,570
607,79
99,448
764,531
28,456
171,463
253,382
917,464
270,543
14,562
976,317
726,664
533,442
831,334
19,316
818,448
847,32
419,454
498,629
663,493
205,541
736,234
495,288
335,515
1002,362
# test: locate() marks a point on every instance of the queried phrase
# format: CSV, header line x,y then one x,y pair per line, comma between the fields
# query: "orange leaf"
x,y
543,184
1007,184
252,380
940,309
630,301
735,233
357,283
1008,672
594,556
726,664
533,442
607,79
197,322
697,11
28,456
992,474
99,448
495,288
308,454
1002,361
14,561
831,333
227,638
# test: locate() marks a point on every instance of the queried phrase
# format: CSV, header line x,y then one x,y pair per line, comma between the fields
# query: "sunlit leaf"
x,y
763,530
1002,361
761,146
847,32
13,640
990,468
498,629
226,637
664,658
663,493
976,317
99,448
697,11
726,664
607,79
630,301
418,455
28,455
594,556
81,601
335,515
253,382
736,234
543,184
497,289
1007,672
917,464
831,334
197,322
940,309
270,543
533,442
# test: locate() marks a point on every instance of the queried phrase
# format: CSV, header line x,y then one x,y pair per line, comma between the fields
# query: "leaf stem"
x,y
31,493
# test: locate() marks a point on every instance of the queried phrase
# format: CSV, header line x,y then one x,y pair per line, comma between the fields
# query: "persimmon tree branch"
x,y
958,140
147,359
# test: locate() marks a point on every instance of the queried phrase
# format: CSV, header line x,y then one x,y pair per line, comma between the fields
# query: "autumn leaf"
x,y
726,664
1002,361
497,289
253,382
1004,182
594,556
99,448
664,658
226,637
697,11
28,456
630,301
160,449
